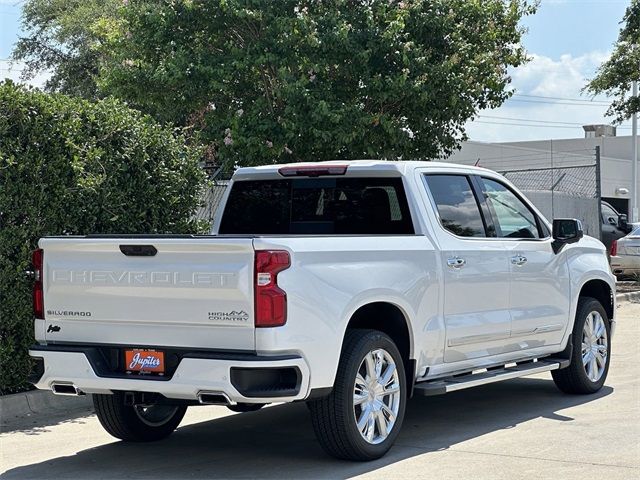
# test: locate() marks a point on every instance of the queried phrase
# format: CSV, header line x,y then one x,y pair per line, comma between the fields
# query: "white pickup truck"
x,y
348,285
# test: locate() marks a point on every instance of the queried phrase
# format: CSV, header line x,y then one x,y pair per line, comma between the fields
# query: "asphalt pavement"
x,y
519,429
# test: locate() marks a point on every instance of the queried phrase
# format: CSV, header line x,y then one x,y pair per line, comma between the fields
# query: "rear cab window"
x,y
317,206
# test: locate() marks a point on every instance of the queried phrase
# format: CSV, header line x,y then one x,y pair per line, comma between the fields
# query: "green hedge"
x,y
68,166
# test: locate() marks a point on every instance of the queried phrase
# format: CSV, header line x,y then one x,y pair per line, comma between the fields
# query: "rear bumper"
x,y
241,378
625,264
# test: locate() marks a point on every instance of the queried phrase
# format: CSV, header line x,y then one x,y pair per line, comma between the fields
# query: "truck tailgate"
x,y
193,292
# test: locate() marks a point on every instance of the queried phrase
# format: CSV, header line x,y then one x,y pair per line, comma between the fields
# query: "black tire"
x,y
127,423
333,417
574,379
246,407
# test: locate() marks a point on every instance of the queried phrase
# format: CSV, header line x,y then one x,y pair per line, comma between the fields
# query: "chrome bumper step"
x,y
460,382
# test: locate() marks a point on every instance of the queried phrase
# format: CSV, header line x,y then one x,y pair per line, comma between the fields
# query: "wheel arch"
x,y
601,291
392,320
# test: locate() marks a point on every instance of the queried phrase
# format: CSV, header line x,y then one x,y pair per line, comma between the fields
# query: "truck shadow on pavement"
x,y
279,442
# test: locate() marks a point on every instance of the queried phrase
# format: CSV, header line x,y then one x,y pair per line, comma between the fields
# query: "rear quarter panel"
x,y
331,277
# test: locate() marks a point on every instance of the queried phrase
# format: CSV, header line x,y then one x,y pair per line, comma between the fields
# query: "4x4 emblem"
x,y
53,328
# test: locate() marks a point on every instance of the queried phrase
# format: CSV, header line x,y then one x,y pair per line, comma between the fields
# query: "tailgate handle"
x,y
138,250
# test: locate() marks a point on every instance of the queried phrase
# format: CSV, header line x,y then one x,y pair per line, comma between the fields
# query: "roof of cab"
x,y
354,166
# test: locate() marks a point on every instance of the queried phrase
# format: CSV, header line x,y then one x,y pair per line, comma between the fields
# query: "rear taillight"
x,y
38,296
614,248
271,300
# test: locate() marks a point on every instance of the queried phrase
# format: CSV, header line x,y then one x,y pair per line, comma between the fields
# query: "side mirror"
x,y
565,231
613,221
622,223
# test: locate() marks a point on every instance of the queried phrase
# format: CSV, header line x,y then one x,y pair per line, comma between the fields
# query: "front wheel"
x,y
136,423
591,350
362,416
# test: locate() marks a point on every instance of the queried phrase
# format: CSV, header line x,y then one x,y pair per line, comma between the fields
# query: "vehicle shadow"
x,y
278,442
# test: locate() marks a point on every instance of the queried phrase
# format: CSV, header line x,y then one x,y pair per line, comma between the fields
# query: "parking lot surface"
x,y
519,429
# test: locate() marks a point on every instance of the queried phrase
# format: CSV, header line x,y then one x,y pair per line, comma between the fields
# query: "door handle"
x,y
518,260
456,262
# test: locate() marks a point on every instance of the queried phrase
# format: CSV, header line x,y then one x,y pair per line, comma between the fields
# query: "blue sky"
x,y
567,40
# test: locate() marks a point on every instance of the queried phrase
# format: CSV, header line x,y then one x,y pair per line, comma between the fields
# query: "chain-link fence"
x,y
561,183
212,197
570,191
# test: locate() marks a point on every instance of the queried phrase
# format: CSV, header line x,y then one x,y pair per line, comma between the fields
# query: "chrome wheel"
x,y
376,396
594,346
155,415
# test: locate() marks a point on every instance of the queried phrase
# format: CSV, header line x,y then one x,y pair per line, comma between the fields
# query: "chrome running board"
x,y
460,382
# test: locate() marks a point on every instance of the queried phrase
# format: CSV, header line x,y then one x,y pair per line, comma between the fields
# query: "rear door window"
x,y
317,206
457,205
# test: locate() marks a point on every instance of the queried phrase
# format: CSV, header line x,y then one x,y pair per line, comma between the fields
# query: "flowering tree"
x,y
267,81
307,80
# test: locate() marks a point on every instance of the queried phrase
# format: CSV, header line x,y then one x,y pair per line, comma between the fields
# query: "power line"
x,y
530,120
531,125
523,124
559,102
561,98
540,121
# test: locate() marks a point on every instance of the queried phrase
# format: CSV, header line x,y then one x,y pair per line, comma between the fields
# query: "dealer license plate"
x,y
144,361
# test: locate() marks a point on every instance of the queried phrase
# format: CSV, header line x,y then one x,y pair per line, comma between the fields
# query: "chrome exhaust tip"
x,y
66,389
214,398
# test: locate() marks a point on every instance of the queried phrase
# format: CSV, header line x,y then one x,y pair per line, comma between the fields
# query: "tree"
x,y
69,166
297,80
63,37
614,77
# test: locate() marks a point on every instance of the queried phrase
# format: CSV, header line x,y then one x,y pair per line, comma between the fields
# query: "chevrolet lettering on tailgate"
x,y
131,278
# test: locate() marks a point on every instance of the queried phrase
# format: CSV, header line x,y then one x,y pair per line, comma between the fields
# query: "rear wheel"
x,y
362,416
136,423
591,350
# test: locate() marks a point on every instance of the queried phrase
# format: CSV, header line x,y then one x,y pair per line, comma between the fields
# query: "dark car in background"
x,y
614,225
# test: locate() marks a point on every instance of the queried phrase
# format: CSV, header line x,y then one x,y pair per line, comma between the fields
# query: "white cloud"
x,y
545,77
13,71
560,78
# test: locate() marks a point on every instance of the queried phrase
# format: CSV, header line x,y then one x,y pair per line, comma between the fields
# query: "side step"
x,y
451,384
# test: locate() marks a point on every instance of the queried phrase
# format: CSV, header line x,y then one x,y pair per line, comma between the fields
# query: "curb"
x,y
628,297
39,402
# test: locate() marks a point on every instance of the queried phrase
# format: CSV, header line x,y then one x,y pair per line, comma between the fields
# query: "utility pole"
x,y
599,192
634,161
